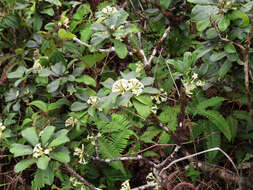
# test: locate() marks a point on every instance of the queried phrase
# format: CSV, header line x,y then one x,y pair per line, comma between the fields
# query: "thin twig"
x,y
165,34
80,177
145,186
178,93
139,157
88,46
196,154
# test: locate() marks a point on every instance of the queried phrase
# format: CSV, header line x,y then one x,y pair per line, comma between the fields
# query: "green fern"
x,y
119,141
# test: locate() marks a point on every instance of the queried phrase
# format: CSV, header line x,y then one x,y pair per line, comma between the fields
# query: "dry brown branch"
x,y
145,186
84,181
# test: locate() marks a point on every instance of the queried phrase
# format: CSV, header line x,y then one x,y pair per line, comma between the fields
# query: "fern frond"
x,y
105,149
119,141
118,123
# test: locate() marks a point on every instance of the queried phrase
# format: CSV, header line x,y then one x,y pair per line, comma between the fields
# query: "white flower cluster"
x,y
64,21
93,100
109,10
76,183
80,153
125,185
192,84
38,151
152,180
2,128
92,138
71,122
161,97
123,85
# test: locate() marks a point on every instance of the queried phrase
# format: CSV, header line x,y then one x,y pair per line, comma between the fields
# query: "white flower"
x,y
47,151
80,153
71,122
38,151
104,10
154,109
135,86
189,87
125,185
2,128
37,66
120,86
195,76
200,83
93,100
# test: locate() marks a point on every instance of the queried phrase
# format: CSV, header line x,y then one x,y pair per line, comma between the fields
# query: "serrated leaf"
x,y
23,164
120,49
42,162
30,135
40,104
86,79
20,149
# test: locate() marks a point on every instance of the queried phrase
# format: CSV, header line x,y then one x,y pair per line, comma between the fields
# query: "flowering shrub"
x,y
113,94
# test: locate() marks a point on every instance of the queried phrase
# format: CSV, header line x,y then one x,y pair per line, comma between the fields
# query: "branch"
x,y
196,154
80,177
165,34
145,186
139,157
88,46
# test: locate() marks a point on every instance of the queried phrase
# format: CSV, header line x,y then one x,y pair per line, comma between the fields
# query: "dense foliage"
x,y
121,94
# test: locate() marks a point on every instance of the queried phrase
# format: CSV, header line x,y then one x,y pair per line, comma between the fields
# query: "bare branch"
x,y
85,182
145,186
88,46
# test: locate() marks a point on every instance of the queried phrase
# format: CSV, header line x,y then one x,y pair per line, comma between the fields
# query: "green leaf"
x,y
49,11
169,117
47,133
58,104
55,2
165,3
151,154
146,81
230,48
37,22
61,154
216,56
150,90
60,138
53,86
40,104
225,67
42,162
23,164
65,35
211,33
78,106
98,38
217,119
213,140
223,23
214,101
98,27
18,73
91,59
59,69
120,49
236,14
84,9
150,133
145,99
30,134
203,24
142,109
20,150
86,79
